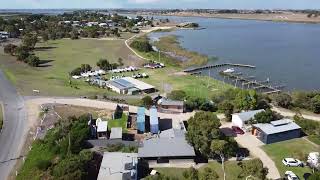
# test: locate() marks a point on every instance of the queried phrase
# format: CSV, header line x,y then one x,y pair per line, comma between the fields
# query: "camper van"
x,y
313,160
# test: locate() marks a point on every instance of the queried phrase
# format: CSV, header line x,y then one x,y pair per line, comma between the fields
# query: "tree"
x,y
147,101
45,36
22,53
315,104
266,116
74,34
85,67
120,61
76,72
10,49
219,147
253,168
246,100
177,95
29,41
191,174
227,108
282,99
208,174
33,61
203,128
105,65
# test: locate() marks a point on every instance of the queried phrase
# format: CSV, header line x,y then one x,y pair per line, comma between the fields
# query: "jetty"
x,y
253,84
216,66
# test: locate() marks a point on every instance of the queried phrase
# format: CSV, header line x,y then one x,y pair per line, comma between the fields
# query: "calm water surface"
x,y
287,53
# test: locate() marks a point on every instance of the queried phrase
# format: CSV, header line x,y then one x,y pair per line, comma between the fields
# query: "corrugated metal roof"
x,y
138,84
102,126
116,133
245,116
154,115
274,129
166,146
167,102
141,114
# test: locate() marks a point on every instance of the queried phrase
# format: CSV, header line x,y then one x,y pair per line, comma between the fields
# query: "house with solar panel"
x,y
130,86
276,131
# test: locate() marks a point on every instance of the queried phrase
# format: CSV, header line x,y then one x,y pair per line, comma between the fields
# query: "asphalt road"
x,y
15,127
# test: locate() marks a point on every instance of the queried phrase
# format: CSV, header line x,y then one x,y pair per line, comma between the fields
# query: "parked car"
x,y
291,162
237,130
290,175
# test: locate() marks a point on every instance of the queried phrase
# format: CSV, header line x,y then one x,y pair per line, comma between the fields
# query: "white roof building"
x,y
118,166
239,119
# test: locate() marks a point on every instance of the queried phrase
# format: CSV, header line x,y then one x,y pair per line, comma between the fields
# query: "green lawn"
x,y
297,148
231,167
1,116
62,56
122,122
315,139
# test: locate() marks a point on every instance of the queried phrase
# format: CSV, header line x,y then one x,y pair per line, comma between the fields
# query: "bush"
x,y
43,164
177,95
142,45
10,49
147,101
33,61
282,99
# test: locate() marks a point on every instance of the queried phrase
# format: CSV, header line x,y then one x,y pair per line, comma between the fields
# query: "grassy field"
x,y
59,58
231,167
62,56
297,148
172,78
1,116
315,139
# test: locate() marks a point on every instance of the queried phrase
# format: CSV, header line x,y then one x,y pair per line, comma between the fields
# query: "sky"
x,y
219,4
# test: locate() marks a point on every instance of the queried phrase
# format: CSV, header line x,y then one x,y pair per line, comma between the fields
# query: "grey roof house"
x,y
170,144
171,105
277,131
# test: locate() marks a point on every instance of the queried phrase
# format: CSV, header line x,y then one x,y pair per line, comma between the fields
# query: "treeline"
x,y
53,27
228,102
298,99
62,154
103,64
24,52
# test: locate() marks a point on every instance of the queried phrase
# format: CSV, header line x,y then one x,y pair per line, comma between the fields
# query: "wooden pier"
x,y
218,65
253,83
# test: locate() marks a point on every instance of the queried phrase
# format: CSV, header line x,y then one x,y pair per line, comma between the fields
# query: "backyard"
x,y
297,148
231,167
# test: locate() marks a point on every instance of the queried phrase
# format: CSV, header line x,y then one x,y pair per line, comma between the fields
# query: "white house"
x,y
239,119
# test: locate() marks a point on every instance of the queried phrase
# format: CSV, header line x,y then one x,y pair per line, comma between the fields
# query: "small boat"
x,y
230,70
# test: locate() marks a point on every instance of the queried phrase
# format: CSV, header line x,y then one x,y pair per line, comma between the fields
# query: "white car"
x,y
292,162
291,176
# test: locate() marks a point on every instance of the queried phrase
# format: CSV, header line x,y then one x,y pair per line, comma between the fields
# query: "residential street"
x,y
15,127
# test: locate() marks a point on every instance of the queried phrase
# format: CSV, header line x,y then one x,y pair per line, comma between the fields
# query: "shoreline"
x,y
284,18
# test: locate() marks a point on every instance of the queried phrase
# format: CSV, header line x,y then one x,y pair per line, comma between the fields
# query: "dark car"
x,y
237,130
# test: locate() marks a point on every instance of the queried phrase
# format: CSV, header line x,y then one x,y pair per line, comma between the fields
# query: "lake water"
x,y
286,53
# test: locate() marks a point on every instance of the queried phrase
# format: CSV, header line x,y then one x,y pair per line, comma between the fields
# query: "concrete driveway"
x,y
254,146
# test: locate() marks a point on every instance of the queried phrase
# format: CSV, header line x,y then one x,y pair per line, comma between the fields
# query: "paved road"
x,y
15,127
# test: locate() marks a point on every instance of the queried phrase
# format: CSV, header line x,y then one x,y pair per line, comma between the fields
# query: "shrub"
x,y
43,164
142,45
